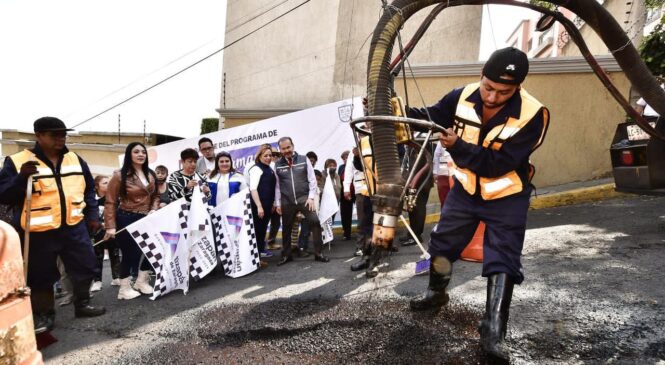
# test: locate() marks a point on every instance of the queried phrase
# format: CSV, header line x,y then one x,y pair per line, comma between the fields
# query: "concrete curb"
x,y
576,196
568,197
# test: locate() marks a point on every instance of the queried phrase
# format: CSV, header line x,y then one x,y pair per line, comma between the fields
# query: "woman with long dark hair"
x,y
262,181
224,181
132,194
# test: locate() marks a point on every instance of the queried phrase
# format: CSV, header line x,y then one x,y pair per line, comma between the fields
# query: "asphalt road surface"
x,y
593,294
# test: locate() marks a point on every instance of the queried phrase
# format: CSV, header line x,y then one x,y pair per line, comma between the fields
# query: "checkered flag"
x,y
328,208
202,258
221,242
251,233
153,253
160,238
183,214
234,235
195,269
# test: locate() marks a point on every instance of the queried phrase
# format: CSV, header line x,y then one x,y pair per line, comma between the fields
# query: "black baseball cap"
x,y
507,61
50,124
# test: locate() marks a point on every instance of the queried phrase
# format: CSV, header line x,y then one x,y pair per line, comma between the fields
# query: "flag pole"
x,y
26,237
103,240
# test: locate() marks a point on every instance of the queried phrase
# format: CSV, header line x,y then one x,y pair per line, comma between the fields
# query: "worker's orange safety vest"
x,y
467,127
370,170
46,212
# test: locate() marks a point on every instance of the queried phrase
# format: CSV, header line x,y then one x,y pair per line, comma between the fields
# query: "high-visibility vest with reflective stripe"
x,y
49,199
368,160
467,126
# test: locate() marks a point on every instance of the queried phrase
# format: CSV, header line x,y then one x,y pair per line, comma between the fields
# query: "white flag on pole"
x,y
234,235
202,258
161,237
328,208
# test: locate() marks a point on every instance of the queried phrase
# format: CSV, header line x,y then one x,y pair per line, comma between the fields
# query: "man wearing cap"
x,y
492,127
63,210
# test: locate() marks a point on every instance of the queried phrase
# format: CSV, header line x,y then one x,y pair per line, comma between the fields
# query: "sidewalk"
x,y
575,193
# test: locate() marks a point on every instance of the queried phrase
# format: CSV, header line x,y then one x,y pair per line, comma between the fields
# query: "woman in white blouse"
x,y
224,181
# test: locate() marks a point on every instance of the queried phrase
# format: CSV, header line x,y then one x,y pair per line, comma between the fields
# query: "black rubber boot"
x,y
374,260
363,264
493,326
440,271
43,309
82,307
360,265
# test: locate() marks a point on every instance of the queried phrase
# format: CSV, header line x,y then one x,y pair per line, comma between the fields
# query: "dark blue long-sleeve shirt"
x,y
486,162
13,185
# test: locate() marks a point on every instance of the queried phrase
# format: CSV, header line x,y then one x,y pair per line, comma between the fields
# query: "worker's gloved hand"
x,y
28,168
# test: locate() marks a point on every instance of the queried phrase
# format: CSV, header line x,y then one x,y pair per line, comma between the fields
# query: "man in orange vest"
x,y
492,128
62,211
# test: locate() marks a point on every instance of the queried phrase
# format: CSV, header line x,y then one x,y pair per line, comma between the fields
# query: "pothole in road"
x,y
329,331
364,332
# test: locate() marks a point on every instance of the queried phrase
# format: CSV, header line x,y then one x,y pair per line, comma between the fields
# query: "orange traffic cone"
x,y
474,249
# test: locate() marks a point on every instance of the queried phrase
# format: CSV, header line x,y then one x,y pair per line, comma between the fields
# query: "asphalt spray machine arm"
x,y
382,124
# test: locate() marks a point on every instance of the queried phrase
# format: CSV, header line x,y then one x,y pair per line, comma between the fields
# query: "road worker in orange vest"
x,y
492,126
63,212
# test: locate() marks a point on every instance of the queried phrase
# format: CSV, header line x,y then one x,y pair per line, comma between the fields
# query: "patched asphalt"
x,y
592,294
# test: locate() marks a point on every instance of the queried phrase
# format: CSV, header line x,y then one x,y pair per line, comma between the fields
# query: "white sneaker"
x,y
115,282
96,286
358,253
126,291
142,283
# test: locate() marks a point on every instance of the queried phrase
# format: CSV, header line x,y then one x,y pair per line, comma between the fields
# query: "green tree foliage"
x,y
209,125
549,5
654,3
652,50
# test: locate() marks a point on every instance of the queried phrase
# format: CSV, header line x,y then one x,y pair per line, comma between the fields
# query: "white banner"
x,y
235,236
329,207
203,258
161,237
323,129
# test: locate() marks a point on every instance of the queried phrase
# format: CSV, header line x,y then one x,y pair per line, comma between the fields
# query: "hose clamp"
x,y
384,220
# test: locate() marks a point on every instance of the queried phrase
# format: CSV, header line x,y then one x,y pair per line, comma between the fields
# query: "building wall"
x,y
521,36
102,160
633,23
581,127
99,149
236,122
104,138
318,53
286,63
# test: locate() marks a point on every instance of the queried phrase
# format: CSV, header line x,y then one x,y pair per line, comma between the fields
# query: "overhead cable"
x,y
192,65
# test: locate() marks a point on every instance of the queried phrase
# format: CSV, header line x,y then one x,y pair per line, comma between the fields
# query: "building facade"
x,y
555,42
99,149
318,53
